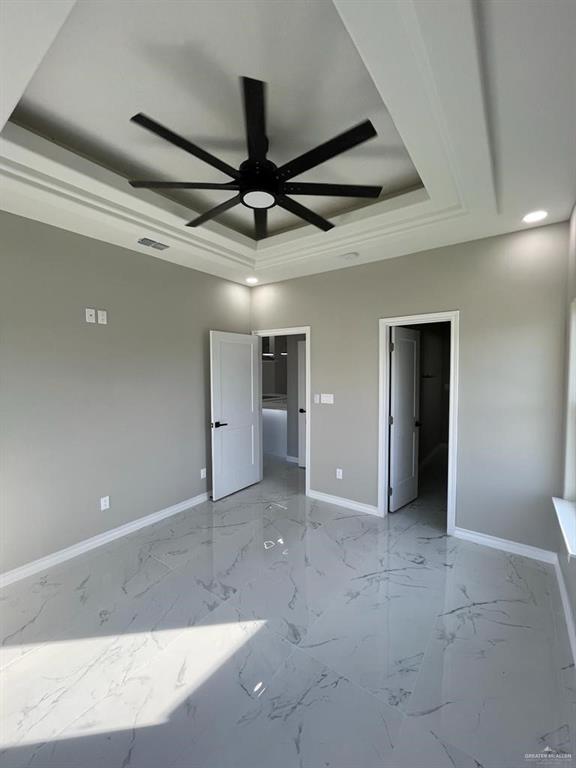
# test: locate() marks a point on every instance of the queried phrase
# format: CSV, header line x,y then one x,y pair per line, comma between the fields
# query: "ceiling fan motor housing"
x,y
258,183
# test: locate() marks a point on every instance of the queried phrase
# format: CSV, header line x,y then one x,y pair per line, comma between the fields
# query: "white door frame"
x,y
452,317
303,330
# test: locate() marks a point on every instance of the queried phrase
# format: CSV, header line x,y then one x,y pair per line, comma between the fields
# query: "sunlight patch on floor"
x,y
137,682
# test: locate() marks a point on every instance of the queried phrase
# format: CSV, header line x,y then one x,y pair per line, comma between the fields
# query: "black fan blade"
x,y
214,211
260,223
331,190
255,116
187,146
181,185
303,212
335,146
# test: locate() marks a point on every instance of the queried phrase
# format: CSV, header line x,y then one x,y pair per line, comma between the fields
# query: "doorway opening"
x,y
418,395
285,375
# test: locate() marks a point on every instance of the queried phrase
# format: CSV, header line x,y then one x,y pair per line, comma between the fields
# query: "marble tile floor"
x,y
268,630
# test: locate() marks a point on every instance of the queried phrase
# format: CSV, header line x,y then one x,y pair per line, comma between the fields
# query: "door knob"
x,y
301,410
220,424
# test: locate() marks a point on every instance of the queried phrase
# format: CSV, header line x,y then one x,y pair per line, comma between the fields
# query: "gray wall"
x,y
510,292
121,410
292,392
88,410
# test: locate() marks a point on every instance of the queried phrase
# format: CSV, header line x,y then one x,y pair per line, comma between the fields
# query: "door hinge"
x,y
391,420
391,346
390,491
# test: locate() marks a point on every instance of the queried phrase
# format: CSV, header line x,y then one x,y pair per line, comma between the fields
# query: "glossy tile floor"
x,y
270,631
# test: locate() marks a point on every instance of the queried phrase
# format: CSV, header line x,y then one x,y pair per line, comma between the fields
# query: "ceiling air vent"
x,y
153,244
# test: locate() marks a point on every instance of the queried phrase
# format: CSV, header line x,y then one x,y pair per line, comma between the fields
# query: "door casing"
x,y
452,317
302,458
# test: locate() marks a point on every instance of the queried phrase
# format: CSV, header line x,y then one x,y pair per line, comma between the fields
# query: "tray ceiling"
x,y
180,63
474,104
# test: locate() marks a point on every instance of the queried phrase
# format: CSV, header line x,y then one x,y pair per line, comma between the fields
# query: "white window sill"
x,y
566,513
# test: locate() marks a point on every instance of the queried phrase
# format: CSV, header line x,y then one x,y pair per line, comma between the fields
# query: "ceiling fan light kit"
x,y
258,198
258,183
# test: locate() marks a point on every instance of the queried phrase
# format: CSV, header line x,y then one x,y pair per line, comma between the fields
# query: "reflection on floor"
x,y
268,630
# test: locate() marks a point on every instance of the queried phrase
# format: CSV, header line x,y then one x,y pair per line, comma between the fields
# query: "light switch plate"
x,y
104,503
90,315
102,317
338,474
327,399
203,473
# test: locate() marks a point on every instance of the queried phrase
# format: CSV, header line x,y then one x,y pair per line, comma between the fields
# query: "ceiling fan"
x,y
259,184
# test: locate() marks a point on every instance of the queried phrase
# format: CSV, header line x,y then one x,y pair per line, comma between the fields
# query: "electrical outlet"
x,y
90,315
338,474
203,473
104,503
102,317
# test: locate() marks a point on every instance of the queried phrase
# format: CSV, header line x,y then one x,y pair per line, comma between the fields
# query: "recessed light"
x,y
534,216
251,280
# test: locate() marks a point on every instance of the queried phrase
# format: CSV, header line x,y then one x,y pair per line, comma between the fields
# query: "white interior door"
x,y
235,412
302,415
404,413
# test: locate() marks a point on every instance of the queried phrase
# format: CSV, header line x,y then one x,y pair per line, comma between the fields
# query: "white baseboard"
x,y
525,550
43,563
293,459
566,514
338,501
514,547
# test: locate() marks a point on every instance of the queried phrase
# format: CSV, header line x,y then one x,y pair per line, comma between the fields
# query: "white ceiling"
x,y
26,32
478,100
180,62
529,57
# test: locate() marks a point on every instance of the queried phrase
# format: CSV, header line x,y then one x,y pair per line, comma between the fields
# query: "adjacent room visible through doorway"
x,y
418,359
283,401
419,416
